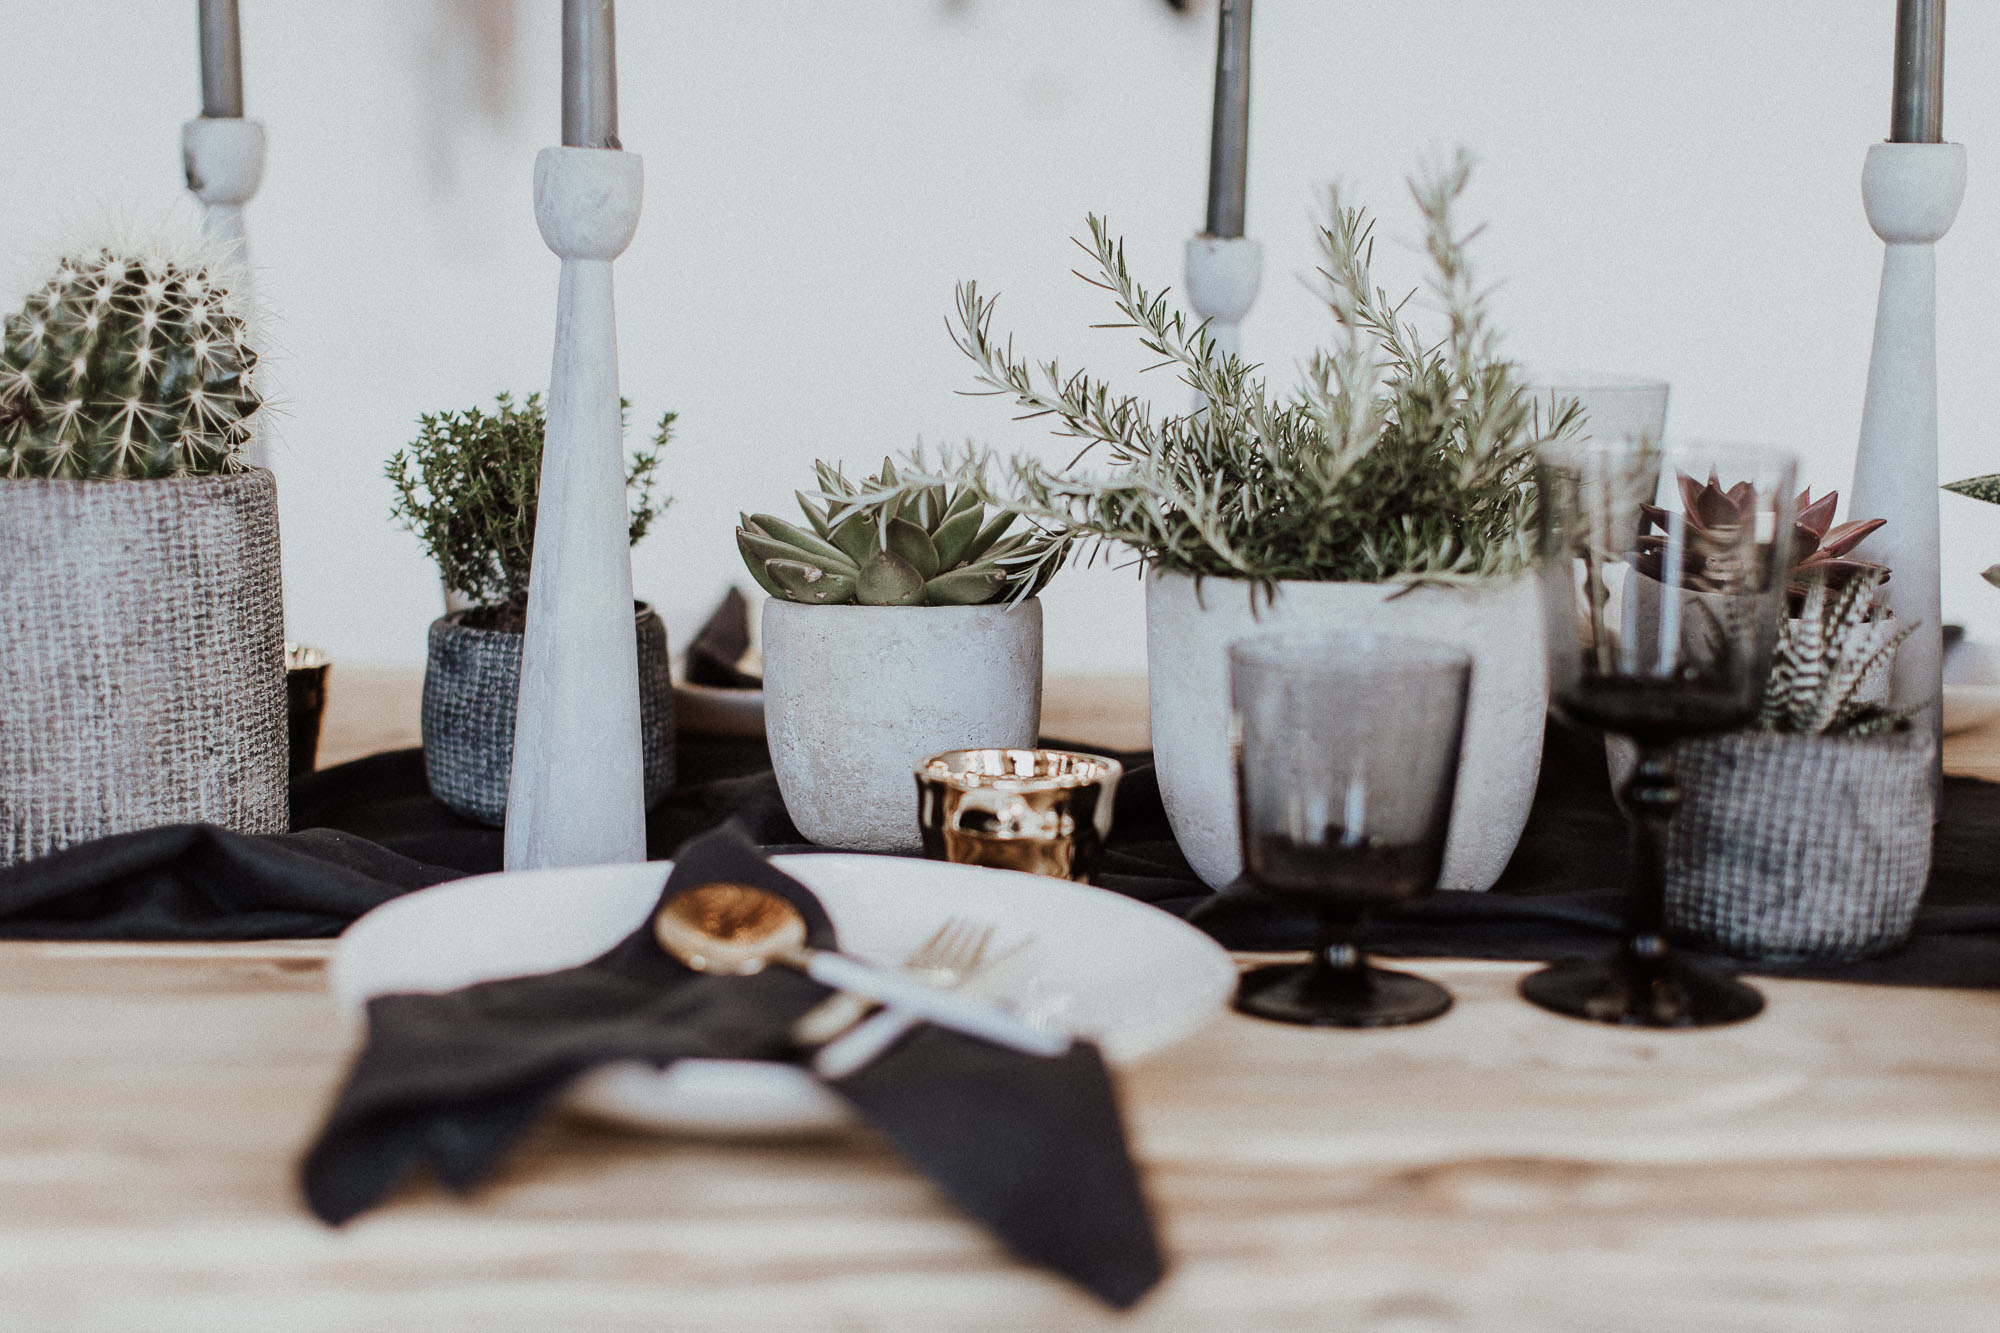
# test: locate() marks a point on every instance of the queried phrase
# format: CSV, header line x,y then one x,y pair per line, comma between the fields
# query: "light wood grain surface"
x,y
1833,1165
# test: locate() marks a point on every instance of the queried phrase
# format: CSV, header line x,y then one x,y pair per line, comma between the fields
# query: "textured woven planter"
x,y
470,686
1794,847
142,659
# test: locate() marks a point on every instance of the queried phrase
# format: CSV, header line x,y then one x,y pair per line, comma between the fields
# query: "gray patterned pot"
x,y
142,659
470,685
1800,847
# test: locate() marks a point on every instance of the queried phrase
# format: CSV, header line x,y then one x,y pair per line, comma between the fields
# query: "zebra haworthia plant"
x,y
1826,659
897,539
126,365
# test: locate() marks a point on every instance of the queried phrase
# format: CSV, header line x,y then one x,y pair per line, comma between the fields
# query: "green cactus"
x,y
126,366
896,540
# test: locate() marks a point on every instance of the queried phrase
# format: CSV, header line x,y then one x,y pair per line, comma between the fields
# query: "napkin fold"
x,y
199,882
1031,1148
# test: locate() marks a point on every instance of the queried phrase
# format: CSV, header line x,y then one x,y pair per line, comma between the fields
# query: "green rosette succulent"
x,y
895,539
126,366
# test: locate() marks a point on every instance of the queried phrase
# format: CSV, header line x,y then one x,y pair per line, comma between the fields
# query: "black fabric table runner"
x,y
369,830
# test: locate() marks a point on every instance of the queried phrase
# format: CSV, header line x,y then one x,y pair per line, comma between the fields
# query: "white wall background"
x,y
1672,188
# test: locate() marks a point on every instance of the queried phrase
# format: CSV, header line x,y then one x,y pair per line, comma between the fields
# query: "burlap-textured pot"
x,y
470,687
1792,847
142,659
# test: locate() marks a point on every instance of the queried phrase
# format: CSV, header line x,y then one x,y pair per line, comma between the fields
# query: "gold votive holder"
x,y
305,703
1047,812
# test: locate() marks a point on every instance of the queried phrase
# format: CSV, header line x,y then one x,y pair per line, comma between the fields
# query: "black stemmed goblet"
x,y
1662,582
1346,759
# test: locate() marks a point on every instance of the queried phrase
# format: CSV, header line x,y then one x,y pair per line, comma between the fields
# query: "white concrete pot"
x,y
1187,643
855,696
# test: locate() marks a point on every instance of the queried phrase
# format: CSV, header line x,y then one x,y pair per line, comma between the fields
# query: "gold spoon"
x,y
737,930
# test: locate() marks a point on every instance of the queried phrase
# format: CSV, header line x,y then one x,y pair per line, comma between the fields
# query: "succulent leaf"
x,y
913,544
953,538
974,585
812,544
1985,488
774,548
800,582
887,579
857,535
814,515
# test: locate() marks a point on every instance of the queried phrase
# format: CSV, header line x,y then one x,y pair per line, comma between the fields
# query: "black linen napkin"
x,y
199,882
1032,1148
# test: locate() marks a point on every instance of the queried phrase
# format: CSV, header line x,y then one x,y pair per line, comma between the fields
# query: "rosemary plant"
x,y
1395,459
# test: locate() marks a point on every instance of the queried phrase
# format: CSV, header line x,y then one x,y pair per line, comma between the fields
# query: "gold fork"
x,y
944,959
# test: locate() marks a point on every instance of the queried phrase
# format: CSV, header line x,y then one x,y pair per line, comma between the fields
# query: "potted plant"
x,y
1389,491
143,679
902,623
467,487
1808,836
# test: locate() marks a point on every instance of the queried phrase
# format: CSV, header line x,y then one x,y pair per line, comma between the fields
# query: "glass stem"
x,y
1652,795
1338,952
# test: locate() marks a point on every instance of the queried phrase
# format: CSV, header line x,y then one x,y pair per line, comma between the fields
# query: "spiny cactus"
x,y
896,540
1826,658
126,366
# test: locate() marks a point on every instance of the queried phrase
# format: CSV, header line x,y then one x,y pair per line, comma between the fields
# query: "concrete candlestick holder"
x,y
576,793
1912,192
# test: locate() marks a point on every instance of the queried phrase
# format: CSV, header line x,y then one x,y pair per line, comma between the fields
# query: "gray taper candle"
x,y
1229,137
1917,105
589,75
221,61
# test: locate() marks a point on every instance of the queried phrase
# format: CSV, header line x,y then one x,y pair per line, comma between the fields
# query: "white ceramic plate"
x,y
1128,976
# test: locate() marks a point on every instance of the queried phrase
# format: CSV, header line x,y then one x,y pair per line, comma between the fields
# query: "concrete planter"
x,y
855,696
1187,642
142,680
1800,847
472,685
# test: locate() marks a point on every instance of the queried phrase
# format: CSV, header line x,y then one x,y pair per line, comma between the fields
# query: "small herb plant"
x,y
903,538
1398,458
127,364
467,487
1826,658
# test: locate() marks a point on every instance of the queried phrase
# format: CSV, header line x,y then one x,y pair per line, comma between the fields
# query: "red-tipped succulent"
x,y
1821,549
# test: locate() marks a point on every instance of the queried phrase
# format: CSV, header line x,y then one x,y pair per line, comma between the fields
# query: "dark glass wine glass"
x,y
1662,582
1346,759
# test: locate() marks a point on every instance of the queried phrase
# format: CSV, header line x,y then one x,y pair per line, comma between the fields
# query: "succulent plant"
x,y
126,365
1985,488
896,540
1826,659
1820,548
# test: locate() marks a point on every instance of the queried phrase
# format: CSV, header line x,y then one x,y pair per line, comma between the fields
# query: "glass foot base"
x,y
1366,997
1666,991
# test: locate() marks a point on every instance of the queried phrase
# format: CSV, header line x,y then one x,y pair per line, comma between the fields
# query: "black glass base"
x,y
1664,991
1365,997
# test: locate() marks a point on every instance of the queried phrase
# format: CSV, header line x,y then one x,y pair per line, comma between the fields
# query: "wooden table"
x,y
1833,1165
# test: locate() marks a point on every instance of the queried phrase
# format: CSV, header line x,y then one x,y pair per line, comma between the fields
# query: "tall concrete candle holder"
x,y
1912,192
576,794
1223,275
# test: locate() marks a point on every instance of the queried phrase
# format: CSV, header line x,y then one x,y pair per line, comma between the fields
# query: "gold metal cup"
x,y
1047,812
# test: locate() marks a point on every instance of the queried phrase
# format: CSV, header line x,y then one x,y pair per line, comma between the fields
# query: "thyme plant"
x,y
467,486
1395,459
